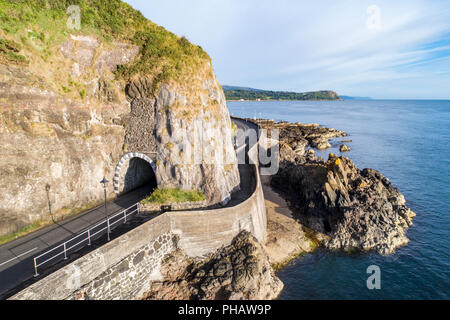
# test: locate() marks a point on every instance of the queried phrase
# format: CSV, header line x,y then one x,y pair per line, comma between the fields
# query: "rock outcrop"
x,y
348,208
344,148
299,136
66,119
236,272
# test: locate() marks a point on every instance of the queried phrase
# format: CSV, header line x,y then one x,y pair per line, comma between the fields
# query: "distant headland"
x,y
235,93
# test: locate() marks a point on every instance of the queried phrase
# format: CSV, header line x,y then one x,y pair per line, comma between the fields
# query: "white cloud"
x,y
305,45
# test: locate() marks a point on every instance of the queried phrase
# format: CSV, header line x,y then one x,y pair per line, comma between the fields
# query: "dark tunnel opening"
x,y
139,174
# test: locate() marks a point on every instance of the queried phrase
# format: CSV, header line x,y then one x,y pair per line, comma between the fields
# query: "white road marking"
x,y
17,257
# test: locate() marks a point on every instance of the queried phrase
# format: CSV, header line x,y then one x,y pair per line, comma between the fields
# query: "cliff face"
x,y
71,108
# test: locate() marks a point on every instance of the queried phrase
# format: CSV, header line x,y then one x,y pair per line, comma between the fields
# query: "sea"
x,y
408,141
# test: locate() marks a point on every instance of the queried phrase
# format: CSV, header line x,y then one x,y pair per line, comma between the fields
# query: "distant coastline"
x,y
355,98
269,100
235,93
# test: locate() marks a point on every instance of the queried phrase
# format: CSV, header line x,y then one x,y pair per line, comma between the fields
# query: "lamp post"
x,y
47,190
104,182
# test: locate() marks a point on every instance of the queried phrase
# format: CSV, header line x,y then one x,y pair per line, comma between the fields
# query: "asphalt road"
x,y
248,181
16,257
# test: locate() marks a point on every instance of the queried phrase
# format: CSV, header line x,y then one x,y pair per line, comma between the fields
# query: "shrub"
x,y
164,196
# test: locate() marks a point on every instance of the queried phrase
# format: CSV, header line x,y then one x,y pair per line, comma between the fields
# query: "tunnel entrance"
x,y
138,174
134,170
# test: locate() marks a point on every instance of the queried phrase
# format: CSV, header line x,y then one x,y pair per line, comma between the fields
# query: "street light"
x,y
47,189
104,182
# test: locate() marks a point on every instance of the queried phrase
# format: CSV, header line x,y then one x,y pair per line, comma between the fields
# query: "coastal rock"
x,y
299,136
236,272
344,148
286,152
320,143
355,209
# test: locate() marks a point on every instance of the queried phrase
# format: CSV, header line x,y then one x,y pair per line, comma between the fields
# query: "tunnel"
x,y
138,174
134,171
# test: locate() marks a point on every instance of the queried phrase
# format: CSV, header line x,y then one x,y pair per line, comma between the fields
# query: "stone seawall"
x,y
93,274
152,207
132,276
125,267
201,232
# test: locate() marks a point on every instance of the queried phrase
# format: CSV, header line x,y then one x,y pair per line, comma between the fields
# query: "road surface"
x,y
16,257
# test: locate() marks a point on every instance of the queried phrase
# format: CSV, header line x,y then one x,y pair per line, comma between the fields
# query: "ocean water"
x,y
409,142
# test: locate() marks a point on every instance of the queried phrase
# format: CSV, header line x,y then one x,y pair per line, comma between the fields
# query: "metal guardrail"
x,y
79,241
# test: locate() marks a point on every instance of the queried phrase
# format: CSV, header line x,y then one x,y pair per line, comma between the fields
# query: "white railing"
x,y
89,235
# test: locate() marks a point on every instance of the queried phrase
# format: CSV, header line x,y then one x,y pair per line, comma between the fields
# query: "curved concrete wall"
x,y
115,265
201,232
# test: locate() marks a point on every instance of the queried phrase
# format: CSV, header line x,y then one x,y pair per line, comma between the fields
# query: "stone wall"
x,y
93,274
152,207
201,232
131,277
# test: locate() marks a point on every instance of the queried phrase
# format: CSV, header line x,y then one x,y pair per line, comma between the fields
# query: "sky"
x,y
380,49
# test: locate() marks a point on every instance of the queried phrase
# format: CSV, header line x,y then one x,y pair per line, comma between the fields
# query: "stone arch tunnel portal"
x,y
133,171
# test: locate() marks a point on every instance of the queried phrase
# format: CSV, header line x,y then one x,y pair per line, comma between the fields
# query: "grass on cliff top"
x,y
40,25
164,196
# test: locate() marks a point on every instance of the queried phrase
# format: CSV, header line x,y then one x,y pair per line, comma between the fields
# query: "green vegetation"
x,y
21,232
311,236
9,51
279,95
163,54
280,265
42,24
176,195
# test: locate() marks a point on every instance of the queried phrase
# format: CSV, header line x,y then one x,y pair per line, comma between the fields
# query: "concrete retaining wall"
x,y
201,232
152,207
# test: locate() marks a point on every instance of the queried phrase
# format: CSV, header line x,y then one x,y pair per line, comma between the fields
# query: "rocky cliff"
x,y
240,271
348,208
73,101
